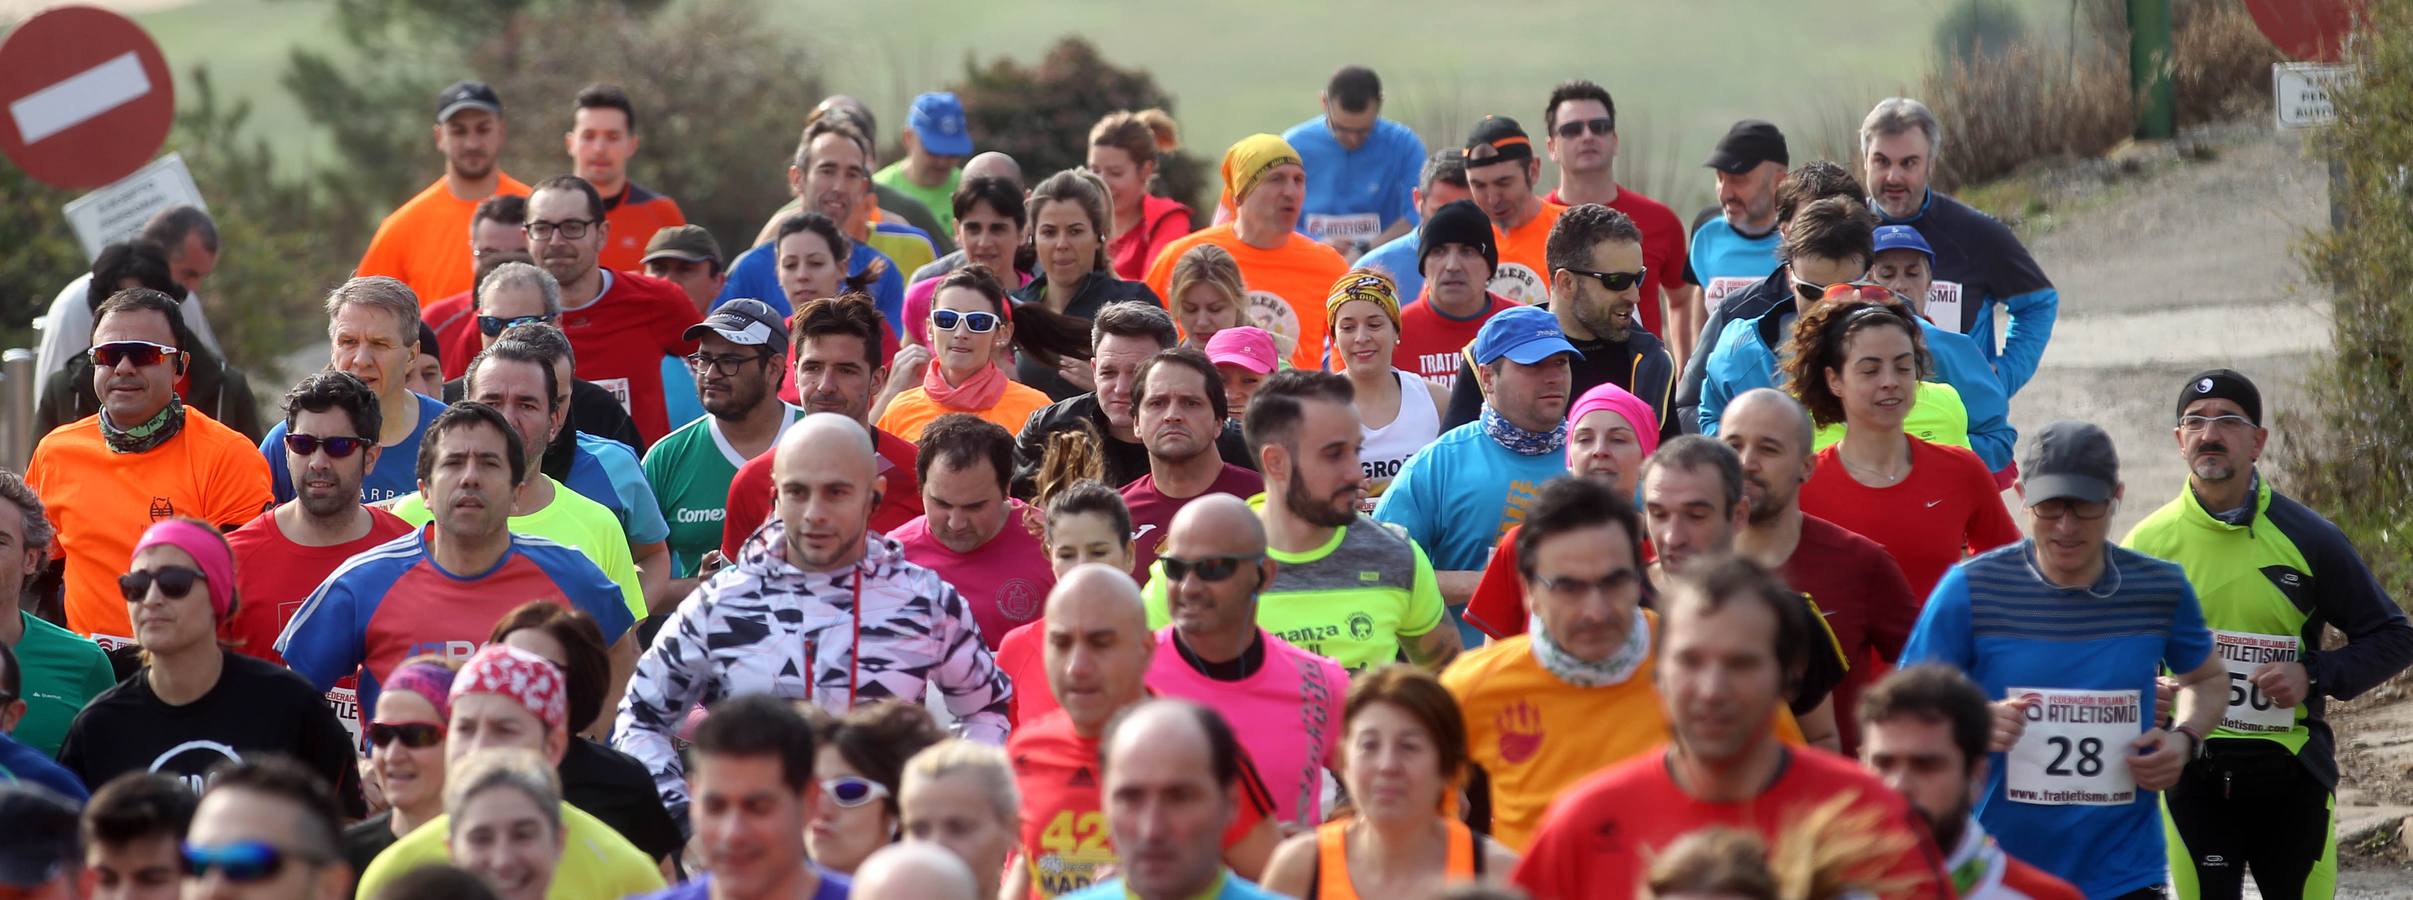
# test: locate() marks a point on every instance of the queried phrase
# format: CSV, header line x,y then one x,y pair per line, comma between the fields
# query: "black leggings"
x,y
2251,804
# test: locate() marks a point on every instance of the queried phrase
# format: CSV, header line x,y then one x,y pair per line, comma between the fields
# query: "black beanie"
x,y
2224,384
1459,222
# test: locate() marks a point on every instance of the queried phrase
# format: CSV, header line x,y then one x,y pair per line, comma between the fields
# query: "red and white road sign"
x,y
85,96
2307,30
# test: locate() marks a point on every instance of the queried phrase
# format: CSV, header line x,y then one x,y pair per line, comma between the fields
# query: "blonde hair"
x,y
518,769
983,763
1073,455
1828,853
1207,264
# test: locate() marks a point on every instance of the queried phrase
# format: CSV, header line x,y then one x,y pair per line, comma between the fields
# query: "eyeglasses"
x,y
415,735
849,791
724,366
1615,281
2059,507
495,325
337,447
173,581
144,354
1579,588
974,322
1208,569
568,229
242,862
1575,127
2201,424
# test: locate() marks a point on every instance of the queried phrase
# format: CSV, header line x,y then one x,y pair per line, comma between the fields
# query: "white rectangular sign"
x,y
116,213
2300,92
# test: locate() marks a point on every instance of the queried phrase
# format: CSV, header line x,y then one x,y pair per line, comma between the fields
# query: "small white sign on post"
x,y
116,213
2300,93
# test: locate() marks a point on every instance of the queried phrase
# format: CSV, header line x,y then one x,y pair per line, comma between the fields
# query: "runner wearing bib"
x,y
1366,326
1736,246
2273,575
1501,169
1361,167
2067,632
1286,272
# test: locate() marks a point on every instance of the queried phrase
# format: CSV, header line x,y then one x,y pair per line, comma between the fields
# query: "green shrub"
x,y
2354,448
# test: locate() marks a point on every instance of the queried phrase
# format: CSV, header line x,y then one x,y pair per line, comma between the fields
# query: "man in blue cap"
x,y
1905,265
936,143
1458,495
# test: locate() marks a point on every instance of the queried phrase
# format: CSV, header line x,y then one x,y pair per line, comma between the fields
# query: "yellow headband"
x,y
1363,284
1247,162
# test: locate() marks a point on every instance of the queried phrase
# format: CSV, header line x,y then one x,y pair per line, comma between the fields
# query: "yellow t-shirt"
x,y
1524,272
570,520
596,862
1536,735
912,410
1937,416
1286,286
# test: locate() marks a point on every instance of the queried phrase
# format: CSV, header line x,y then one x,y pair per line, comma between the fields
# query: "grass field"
x,y
1682,72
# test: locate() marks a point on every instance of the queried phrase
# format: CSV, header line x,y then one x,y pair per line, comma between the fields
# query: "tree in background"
x,y
1041,115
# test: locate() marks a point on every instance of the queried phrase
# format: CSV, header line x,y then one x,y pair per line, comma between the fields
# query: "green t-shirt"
x,y
573,521
62,672
690,471
940,199
1349,601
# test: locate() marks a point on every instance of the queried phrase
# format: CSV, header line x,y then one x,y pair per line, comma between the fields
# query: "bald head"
x,y
1098,645
914,870
1216,525
825,484
1769,409
993,164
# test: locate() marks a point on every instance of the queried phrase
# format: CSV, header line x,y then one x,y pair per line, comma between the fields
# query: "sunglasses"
x,y
1575,128
337,447
242,862
144,354
1209,569
173,581
849,791
1615,281
974,322
415,735
492,326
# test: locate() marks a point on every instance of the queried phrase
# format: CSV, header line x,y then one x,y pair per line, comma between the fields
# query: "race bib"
x,y
1359,227
1519,283
2074,751
346,704
1716,291
2242,652
1944,306
619,389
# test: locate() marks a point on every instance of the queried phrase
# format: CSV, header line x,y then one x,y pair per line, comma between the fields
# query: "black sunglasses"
x,y
415,735
337,447
144,353
1616,281
492,326
1209,569
1575,127
174,581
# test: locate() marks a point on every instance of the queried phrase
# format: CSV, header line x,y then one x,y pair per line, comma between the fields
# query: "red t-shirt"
x,y
635,215
454,319
750,493
1064,833
1599,837
1431,342
2034,883
1004,581
1945,509
1152,512
1662,250
621,337
275,576
1022,656
1866,601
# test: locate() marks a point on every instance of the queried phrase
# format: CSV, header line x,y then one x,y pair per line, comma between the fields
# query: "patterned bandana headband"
x,y
430,681
209,553
525,677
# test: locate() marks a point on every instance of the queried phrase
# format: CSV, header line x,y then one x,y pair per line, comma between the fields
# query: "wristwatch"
x,y
2194,736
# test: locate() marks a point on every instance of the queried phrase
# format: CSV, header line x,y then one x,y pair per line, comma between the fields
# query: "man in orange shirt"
x,y
1501,170
143,458
420,242
602,136
1287,274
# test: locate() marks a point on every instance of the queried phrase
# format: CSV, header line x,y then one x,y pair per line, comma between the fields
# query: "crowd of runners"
x,y
1389,529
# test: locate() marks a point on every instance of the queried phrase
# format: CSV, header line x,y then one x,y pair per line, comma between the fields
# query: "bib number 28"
x,y
2071,753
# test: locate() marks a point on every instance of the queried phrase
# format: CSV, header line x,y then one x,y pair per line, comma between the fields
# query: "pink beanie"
x,y
1635,410
208,551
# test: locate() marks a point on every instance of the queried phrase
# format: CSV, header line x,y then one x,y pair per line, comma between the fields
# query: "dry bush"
x,y
2002,110
2221,63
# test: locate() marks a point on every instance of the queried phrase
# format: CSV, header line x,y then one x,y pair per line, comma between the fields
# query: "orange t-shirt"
x,y
1524,272
101,501
1064,833
1286,286
425,241
1536,735
912,411
635,215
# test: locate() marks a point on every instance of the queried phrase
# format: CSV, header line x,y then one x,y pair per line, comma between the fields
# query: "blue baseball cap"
x,y
1903,237
938,120
1526,334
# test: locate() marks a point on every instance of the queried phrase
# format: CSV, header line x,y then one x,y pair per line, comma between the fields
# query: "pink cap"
x,y
1246,346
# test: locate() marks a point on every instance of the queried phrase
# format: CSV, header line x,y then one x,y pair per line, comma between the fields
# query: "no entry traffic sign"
x,y
85,97
2307,30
